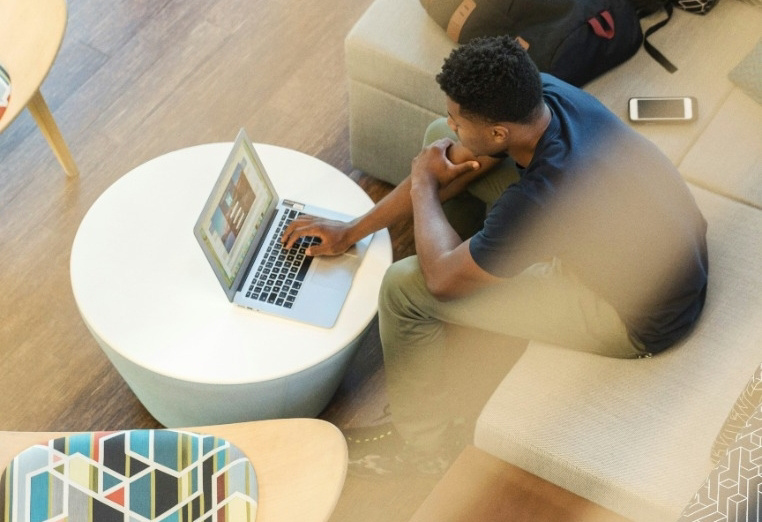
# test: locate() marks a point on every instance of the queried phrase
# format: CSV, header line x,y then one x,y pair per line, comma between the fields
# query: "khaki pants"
x,y
545,302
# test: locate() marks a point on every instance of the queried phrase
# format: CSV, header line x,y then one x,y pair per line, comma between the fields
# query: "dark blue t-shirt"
x,y
613,208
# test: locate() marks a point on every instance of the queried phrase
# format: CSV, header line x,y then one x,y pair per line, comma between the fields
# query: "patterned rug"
x,y
130,476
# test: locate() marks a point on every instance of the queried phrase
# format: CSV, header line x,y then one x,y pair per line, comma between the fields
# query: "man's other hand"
x,y
432,164
332,234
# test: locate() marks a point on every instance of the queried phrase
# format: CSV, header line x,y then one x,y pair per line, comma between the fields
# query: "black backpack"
x,y
645,8
574,40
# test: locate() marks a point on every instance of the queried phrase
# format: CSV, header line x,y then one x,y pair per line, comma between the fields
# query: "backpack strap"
x,y
606,32
458,18
653,51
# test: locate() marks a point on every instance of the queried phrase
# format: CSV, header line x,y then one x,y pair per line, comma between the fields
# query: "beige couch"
x,y
633,436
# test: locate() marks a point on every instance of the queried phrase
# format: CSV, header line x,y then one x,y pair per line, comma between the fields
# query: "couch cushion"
x,y
635,435
747,75
727,157
386,132
397,48
756,3
704,49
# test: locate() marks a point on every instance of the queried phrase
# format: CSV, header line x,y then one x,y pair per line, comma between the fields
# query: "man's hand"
x,y
445,260
333,235
433,167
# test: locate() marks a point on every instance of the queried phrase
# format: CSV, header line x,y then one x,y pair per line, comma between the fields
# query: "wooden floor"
x,y
135,79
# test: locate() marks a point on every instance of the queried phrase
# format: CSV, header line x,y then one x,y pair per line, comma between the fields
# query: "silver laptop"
x,y
240,231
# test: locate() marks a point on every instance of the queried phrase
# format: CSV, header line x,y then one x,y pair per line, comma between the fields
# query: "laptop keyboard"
x,y
281,272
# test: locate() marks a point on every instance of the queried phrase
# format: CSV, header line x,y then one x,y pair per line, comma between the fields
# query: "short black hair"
x,y
493,79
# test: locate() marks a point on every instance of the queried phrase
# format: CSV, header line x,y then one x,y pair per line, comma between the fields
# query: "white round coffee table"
x,y
151,300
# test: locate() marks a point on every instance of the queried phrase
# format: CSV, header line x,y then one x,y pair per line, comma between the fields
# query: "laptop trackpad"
x,y
334,272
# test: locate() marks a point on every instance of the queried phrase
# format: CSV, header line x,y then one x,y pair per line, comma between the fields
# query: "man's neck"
x,y
522,151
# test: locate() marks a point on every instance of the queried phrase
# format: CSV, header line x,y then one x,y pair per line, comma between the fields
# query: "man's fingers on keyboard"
x,y
290,235
297,229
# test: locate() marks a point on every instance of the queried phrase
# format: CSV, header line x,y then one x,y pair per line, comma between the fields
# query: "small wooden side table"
x,y
31,32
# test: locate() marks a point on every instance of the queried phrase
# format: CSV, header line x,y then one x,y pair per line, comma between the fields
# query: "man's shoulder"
x,y
558,92
551,83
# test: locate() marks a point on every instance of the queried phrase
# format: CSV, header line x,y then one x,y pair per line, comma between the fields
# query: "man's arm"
x,y
337,237
446,262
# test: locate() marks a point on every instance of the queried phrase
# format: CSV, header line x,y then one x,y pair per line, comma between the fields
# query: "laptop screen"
x,y
236,214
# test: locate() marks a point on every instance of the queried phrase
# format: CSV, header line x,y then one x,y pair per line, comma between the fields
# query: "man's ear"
x,y
500,133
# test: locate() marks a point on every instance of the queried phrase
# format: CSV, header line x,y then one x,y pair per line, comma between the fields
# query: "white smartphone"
x,y
663,109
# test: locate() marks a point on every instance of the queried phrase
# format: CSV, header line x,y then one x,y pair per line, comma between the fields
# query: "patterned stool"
x,y
130,476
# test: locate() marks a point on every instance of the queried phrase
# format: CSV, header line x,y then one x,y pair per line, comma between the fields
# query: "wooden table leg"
x,y
47,124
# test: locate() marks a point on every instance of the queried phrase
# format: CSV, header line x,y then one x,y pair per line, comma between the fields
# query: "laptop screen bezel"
x,y
242,144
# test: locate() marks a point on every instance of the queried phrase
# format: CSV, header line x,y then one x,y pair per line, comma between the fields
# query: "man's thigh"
x,y
544,303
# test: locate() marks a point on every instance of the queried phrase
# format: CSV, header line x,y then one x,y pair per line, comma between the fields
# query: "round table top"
x,y
31,32
145,289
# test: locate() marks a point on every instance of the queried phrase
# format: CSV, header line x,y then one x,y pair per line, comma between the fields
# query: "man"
x,y
591,240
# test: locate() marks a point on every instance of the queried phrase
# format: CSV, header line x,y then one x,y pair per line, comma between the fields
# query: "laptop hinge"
x,y
293,204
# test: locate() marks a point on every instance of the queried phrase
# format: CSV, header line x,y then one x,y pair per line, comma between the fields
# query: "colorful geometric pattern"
x,y
733,490
130,476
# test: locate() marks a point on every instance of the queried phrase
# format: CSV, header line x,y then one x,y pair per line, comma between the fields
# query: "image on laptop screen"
x,y
242,200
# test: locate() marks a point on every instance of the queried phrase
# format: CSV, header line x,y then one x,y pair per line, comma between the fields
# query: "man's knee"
x,y
400,278
437,130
